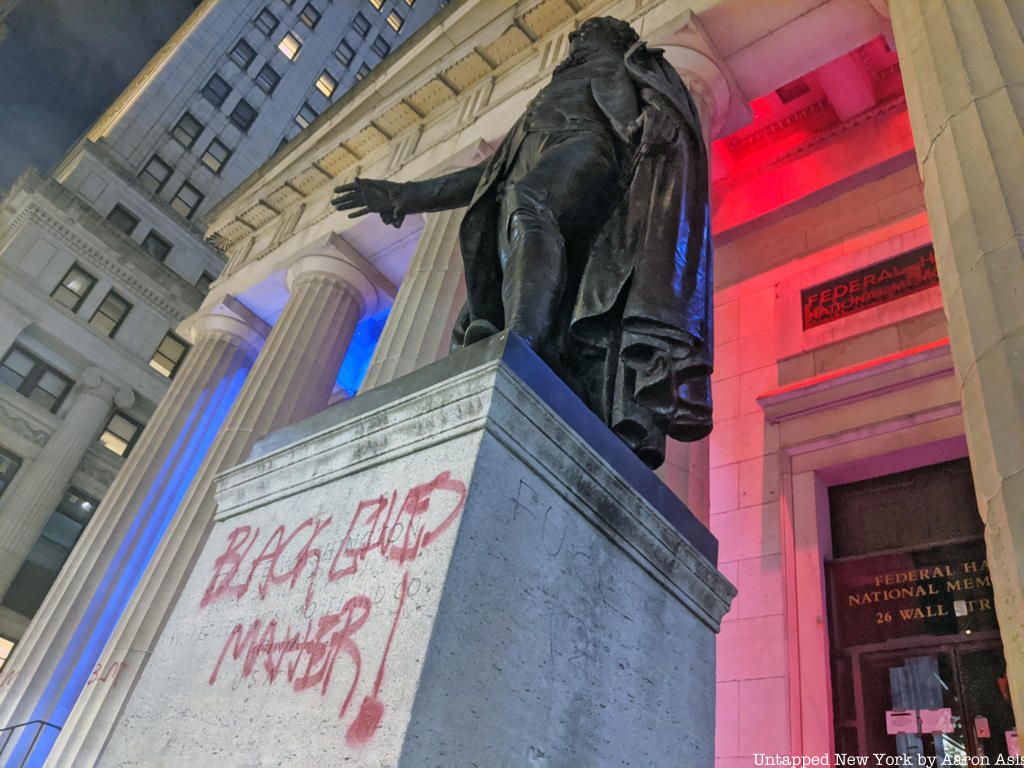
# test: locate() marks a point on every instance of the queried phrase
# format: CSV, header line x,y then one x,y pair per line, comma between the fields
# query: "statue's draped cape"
x,y
634,337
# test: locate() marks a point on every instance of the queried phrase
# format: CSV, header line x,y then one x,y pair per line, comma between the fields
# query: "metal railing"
x,y
21,750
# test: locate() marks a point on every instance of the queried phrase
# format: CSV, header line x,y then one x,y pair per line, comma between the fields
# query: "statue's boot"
x,y
534,274
478,330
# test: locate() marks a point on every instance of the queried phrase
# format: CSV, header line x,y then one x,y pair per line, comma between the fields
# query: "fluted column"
x,y
64,640
963,72
292,378
40,486
418,330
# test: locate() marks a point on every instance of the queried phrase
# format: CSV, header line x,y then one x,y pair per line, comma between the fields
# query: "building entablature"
x,y
59,212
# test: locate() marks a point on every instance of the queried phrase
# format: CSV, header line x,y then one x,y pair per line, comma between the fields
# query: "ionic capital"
x,y
102,385
334,259
722,105
706,83
219,320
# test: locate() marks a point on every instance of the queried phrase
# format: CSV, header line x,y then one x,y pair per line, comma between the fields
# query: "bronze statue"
x,y
588,235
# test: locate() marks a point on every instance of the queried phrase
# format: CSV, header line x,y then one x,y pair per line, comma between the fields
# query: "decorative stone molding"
x,y
11,419
152,292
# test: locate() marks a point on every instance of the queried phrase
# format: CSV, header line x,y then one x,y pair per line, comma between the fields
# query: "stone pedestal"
x,y
461,567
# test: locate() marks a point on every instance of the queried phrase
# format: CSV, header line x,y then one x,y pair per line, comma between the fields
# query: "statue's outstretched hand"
x,y
365,196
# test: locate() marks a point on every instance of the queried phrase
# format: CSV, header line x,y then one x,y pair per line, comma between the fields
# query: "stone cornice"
x,y
156,289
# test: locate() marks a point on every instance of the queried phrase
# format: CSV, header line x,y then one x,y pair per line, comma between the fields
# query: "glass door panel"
x,y
922,681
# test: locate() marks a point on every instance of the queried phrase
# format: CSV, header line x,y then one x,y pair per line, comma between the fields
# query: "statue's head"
x,y
603,33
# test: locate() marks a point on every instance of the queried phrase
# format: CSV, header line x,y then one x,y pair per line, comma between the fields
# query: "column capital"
x,y
105,386
335,259
706,83
688,48
221,321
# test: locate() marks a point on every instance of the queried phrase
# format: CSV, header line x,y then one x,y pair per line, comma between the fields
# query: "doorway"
x,y
958,696
917,660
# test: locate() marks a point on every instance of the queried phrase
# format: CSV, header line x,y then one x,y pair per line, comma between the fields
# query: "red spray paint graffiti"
x,y
307,657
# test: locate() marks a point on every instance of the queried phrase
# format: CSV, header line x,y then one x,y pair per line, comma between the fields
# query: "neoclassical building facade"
x,y
866,159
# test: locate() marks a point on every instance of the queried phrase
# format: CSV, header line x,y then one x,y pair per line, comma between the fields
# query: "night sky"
x,y
62,63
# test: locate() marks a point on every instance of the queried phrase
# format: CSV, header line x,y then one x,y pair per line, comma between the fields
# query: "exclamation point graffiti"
x,y
372,709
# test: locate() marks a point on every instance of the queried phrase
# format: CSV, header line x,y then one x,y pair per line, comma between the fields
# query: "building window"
x,y
345,53
204,282
187,130
310,16
154,174
156,246
50,552
306,115
326,84
243,115
381,47
268,78
395,21
123,219
186,200
6,649
410,3
169,355
363,71
10,463
290,46
120,434
110,314
216,155
377,4
216,90
361,25
73,288
266,22
29,376
242,54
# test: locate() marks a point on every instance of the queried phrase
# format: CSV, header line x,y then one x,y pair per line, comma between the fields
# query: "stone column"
x,y
293,377
418,331
60,647
39,487
963,66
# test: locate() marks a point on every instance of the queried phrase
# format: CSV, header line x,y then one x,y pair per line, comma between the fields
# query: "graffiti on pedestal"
x,y
314,560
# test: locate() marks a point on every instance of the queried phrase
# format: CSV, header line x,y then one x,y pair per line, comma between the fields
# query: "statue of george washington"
x,y
588,235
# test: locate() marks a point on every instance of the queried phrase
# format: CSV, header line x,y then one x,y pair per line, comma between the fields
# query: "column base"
x,y
461,567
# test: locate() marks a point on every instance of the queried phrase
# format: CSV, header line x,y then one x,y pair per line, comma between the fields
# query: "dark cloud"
x,y
63,62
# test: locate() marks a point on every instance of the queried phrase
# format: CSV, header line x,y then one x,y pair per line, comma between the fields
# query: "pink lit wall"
x,y
855,199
